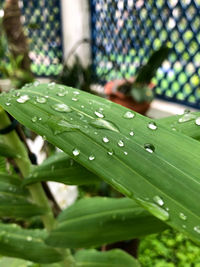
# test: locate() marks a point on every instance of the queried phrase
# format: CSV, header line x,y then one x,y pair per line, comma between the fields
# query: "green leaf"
x,y
97,221
6,151
15,200
63,169
26,244
112,258
183,123
157,167
3,164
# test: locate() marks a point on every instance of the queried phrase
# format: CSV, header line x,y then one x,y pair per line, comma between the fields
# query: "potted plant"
x,y
136,93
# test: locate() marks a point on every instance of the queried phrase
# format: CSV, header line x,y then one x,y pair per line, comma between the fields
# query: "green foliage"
x,y
168,249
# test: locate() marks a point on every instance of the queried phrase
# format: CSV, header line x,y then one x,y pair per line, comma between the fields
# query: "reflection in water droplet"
x,y
23,99
158,200
91,157
182,216
41,99
149,148
76,152
132,133
187,117
156,210
129,115
197,229
105,139
120,143
98,114
61,107
197,121
104,124
152,126
34,119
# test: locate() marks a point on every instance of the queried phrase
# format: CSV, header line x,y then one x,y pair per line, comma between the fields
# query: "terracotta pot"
x,y
124,100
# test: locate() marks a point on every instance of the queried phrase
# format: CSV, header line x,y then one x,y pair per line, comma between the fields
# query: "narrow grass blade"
x,y
144,160
97,221
63,169
26,244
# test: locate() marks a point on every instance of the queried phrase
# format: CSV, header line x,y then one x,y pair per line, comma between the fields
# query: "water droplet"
x,y
36,83
184,226
34,119
104,124
105,139
40,119
149,148
82,106
129,115
59,126
197,229
125,153
61,93
110,152
76,152
74,99
8,103
120,143
152,126
186,117
131,133
23,99
29,238
156,210
98,114
41,99
91,157
122,188
51,85
76,93
182,216
197,121
158,200
61,107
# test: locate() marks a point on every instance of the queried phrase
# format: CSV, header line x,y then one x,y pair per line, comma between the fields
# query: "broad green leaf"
x,y
14,201
6,151
14,262
63,169
186,124
26,244
3,165
157,167
97,221
112,258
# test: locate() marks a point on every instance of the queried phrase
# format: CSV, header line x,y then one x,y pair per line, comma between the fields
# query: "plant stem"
x,y
24,165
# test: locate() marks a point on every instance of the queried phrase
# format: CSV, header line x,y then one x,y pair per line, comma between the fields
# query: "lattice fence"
x,y
42,22
125,32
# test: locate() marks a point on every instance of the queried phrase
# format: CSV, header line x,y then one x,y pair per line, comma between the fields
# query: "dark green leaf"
x,y
97,221
162,181
63,169
112,258
26,244
6,151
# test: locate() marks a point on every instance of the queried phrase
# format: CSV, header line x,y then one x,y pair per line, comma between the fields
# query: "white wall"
x,y
76,26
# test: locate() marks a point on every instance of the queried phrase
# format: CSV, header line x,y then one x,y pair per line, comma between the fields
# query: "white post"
x,y
75,27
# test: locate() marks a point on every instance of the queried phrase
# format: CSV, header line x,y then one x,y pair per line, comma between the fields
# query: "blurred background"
x,y
142,54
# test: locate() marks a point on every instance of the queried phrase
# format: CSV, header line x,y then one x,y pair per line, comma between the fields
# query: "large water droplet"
x,y
104,124
158,200
129,115
156,210
152,126
120,143
197,229
91,157
187,117
23,99
149,148
41,99
197,121
182,216
59,126
34,119
76,152
105,139
61,107
98,114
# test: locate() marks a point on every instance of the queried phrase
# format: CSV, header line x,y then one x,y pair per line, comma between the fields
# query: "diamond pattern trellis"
x,y
125,32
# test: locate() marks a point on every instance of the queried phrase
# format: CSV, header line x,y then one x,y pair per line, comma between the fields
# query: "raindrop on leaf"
x,y
129,115
152,126
149,148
